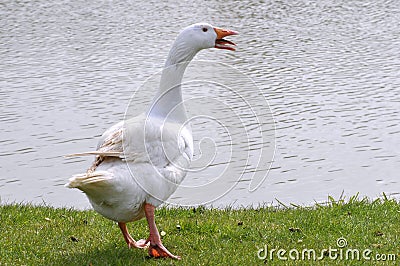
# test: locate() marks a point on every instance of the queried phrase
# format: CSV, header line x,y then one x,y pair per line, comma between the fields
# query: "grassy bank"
x,y
46,236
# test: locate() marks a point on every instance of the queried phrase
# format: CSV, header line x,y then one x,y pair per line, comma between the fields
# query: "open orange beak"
x,y
220,42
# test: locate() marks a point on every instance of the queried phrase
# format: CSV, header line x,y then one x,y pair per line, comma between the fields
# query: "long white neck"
x,y
168,101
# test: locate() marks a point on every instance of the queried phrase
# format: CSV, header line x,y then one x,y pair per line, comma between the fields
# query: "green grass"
x,y
46,236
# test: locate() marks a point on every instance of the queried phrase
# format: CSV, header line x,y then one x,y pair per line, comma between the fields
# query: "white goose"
x,y
141,161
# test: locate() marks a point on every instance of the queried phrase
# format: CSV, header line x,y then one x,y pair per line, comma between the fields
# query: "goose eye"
x,y
205,29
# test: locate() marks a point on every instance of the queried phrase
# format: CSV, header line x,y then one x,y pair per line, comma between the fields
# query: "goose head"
x,y
203,35
197,37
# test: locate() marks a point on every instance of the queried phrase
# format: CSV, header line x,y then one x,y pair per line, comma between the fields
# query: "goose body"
x,y
139,170
141,161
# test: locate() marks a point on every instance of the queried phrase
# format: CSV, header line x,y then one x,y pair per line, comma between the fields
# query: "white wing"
x,y
166,146
157,142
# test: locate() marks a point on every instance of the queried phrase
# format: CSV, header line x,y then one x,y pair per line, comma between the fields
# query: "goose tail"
x,y
80,181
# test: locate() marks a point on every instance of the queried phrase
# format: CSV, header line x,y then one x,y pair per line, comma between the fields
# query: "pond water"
x,y
329,70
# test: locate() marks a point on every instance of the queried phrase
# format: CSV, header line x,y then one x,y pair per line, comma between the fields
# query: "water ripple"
x,y
330,71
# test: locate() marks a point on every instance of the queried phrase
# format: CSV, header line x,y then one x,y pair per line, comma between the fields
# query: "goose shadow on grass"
x,y
108,255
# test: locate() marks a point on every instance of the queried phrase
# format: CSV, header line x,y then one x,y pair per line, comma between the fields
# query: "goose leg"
x,y
156,248
129,240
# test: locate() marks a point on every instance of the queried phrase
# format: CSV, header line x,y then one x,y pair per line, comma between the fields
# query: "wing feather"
x,y
164,145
